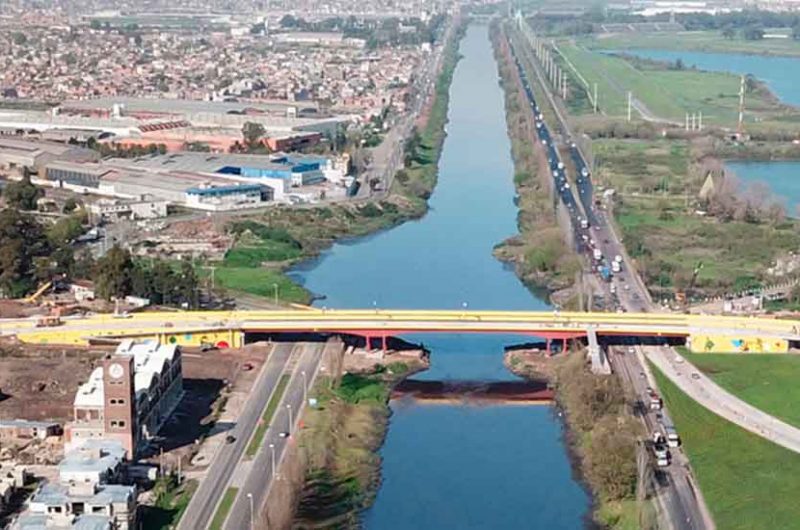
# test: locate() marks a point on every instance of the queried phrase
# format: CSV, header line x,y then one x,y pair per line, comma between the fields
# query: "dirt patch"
x,y
38,383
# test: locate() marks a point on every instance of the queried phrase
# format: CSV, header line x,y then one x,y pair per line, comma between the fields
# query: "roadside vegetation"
x,y
540,253
768,382
266,416
223,509
672,232
603,434
745,479
170,501
340,439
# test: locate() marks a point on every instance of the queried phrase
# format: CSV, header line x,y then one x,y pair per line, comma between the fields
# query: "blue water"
x,y
782,177
781,74
457,466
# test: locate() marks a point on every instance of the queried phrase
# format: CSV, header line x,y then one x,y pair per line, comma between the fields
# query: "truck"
x,y
597,254
615,267
584,223
561,165
605,273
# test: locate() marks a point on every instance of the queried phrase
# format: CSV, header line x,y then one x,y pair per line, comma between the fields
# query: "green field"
x,y
748,482
666,93
223,509
702,41
768,382
266,417
260,282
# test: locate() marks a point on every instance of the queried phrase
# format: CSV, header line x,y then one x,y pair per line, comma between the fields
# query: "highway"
x,y
203,503
260,476
677,497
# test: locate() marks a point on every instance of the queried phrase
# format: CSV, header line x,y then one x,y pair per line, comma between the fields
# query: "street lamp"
x,y
252,512
289,408
275,286
305,387
272,450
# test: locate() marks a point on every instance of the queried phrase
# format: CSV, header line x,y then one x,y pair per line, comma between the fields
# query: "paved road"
x,y
706,392
683,504
260,475
203,503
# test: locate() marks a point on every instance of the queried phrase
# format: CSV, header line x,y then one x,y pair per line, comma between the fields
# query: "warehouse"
x,y
17,155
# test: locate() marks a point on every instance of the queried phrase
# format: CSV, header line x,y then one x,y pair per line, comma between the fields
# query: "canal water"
x,y
449,465
782,177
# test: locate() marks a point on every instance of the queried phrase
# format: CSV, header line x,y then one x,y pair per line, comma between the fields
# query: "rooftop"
x,y
31,521
93,456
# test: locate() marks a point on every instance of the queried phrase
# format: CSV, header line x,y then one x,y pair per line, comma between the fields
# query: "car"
x,y
678,359
230,439
695,376
283,434
631,350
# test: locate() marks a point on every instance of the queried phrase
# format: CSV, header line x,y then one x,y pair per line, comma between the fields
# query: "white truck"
x,y
615,266
597,254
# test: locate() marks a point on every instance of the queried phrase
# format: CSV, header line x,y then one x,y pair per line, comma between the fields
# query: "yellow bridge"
x,y
229,328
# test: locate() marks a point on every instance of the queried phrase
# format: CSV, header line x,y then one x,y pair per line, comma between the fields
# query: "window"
x,y
120,401
118,423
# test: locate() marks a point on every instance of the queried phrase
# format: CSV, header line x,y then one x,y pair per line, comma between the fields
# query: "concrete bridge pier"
x,y
598,357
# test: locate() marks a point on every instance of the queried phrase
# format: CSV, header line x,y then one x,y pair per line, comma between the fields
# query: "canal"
x,y
451,465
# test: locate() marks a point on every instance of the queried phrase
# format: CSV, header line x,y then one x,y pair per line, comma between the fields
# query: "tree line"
x,y
35,253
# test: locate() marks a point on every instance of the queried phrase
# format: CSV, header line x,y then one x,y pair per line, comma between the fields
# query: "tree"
x,y
113,273
70,205
753,32
728,32
23,242
23,194
252,133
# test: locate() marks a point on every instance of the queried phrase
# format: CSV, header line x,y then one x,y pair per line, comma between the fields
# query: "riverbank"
x,y
601,434
267,246
541,253
340,439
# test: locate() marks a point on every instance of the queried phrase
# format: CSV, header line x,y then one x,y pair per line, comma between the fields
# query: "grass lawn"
x,y
768,382
260,281
266,418
703,41
748,482
669,94
223,509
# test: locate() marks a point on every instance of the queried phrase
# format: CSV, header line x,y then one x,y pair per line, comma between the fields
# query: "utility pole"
x,y
595,98
687,121
740,125
630,100
700,121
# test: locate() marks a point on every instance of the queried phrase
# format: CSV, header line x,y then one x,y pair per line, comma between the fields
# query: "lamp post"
x,y
289,408
305,387
275,286
272,451
252,511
